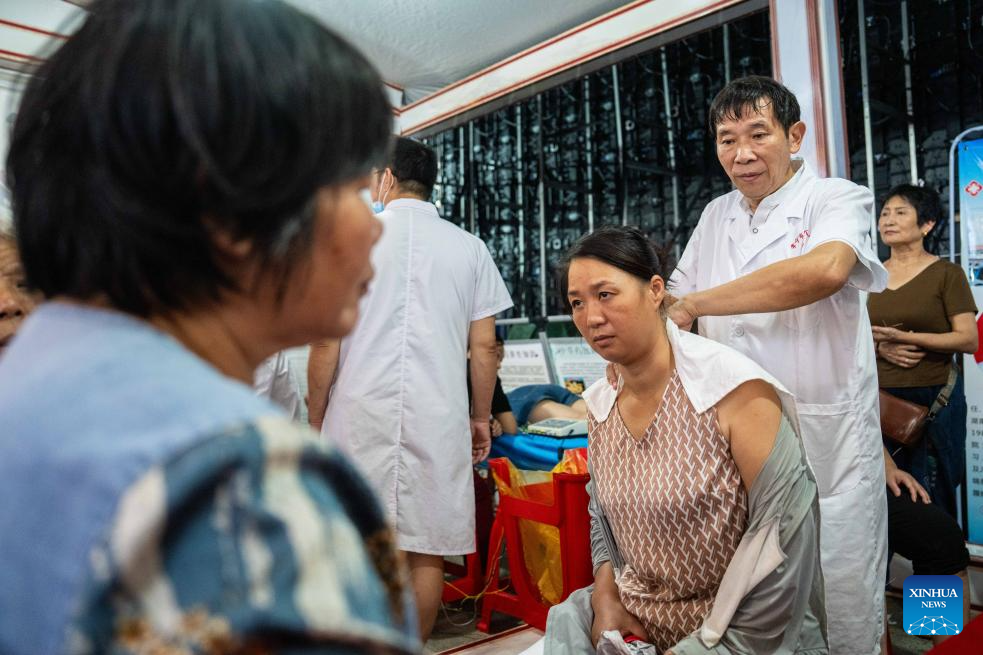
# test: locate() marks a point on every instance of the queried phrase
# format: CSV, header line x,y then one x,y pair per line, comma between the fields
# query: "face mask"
x,y
380,204
366,197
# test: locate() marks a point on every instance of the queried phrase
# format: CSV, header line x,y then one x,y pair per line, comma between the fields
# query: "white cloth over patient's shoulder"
x,y
708,372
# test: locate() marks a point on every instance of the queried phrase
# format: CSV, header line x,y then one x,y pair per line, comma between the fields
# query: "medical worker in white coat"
x,y
272,379
778,269
398,405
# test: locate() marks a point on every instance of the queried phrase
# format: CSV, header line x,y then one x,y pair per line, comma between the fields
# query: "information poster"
x,y
524,363
971,208
973,372
577,366
971,234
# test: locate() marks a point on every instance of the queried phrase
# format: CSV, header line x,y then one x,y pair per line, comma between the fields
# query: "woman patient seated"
x,y
704,512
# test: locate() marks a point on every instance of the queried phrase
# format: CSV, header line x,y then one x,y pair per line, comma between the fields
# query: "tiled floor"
x,y
455,628
510,642
901,642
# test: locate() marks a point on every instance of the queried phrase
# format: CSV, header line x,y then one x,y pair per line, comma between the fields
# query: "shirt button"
x,y
738,331
755,230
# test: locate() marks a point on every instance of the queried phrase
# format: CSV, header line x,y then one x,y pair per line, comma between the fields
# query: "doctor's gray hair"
x,y
625,247
747,95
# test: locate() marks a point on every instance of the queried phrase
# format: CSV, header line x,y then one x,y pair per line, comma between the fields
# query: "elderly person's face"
x,y
344,235
16,302
322,295
898,223
756,153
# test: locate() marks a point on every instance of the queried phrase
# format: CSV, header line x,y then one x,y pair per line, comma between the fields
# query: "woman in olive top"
x,y
925,315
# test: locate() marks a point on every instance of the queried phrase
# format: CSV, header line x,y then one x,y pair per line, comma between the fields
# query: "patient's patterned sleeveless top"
x,y
677,508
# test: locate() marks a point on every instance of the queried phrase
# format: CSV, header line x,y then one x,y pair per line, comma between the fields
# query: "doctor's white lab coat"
x,y
272,379
399,403
823,353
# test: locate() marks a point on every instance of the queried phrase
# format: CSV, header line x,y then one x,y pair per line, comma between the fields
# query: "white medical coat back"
x,y
272,380
399,403
823,353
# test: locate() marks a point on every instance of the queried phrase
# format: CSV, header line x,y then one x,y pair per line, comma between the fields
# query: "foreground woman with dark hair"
x,y
189,183
704,528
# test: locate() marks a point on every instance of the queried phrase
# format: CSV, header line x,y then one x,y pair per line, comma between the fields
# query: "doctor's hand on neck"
x,y
781,286
682,313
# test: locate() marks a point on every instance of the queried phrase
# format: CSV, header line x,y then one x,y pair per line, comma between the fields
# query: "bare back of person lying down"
x,y
532,403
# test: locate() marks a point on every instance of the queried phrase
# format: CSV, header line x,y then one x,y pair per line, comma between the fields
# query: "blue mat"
x,y
534,452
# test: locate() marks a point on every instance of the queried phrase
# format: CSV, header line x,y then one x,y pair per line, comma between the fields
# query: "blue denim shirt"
x,y
147,500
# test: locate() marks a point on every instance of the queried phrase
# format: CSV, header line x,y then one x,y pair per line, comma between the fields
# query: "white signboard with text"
x,y
577,366
524,363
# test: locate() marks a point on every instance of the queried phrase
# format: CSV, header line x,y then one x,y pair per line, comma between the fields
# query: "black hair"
x,y
414,165
928,207
160,121
926,202
625,247
750,94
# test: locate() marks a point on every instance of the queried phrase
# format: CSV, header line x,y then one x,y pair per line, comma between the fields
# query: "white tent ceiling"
x,y
419,45
424,45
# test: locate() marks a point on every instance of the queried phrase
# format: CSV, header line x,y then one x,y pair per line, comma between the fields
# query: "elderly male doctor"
x,y
778,269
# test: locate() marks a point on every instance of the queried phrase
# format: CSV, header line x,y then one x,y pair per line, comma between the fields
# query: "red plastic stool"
x,y
469,581
568,513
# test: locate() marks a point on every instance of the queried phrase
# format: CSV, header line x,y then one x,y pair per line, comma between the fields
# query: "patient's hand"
x,y
610,614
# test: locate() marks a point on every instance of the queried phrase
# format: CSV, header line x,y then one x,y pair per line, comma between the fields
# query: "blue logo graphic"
x,y
933,605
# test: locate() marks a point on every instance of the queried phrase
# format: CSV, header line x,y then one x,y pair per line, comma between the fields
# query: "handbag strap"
x,y
942,399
